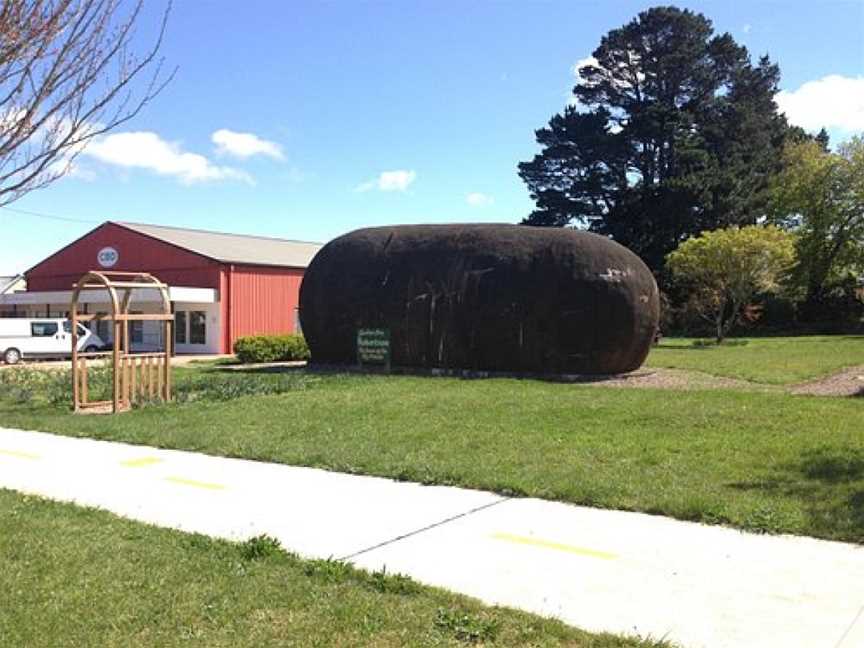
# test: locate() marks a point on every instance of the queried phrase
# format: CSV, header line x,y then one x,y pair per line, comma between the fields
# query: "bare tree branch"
x,y
67,74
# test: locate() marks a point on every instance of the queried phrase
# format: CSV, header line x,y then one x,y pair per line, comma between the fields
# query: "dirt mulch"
x,y
849,382
662,378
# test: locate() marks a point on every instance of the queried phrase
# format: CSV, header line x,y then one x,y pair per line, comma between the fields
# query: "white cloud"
x,y
66,167
146,150
398,180
833,101
47,137
477,199
746,28
81,173
10,118
633,59
588,60
244,145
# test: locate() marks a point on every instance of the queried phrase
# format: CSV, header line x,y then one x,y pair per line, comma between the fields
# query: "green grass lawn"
x,y
760,461
776,361
71,576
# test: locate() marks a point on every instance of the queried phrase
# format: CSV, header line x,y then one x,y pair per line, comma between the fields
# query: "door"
x,y
86,339
48,338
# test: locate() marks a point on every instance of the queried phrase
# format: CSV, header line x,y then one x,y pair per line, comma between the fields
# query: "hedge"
x,y
271,348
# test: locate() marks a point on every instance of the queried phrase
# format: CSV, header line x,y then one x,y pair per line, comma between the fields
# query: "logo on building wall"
x,y
108,257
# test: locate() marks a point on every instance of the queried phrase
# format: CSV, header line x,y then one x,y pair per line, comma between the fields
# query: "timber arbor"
x,y
135,376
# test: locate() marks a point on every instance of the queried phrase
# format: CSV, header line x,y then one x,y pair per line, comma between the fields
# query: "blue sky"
x,y
306,120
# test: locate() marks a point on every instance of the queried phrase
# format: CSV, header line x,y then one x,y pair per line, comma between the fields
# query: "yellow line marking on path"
x,y
197,484
557,546
18,454
143,461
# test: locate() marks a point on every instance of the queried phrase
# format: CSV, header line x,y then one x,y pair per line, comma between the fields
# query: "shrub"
x,y
724,269
271,348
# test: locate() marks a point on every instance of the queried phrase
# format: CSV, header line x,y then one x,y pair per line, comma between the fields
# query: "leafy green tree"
x,y
724,269
820,195
675,132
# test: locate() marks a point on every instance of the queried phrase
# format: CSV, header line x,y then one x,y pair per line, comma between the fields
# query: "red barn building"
x,y
223,286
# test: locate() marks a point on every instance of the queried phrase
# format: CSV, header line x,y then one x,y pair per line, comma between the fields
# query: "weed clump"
x,y
466,627
259,548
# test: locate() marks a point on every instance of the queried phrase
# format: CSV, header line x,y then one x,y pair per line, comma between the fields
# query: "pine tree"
x,y
675,131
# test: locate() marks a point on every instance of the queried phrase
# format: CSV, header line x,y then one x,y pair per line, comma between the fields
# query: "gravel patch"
x,y
849,382
662,378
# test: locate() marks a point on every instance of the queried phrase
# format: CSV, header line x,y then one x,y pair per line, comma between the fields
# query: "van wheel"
x,y
91,349
12,356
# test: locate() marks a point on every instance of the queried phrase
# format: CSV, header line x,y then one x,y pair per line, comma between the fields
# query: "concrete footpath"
x,y
612,571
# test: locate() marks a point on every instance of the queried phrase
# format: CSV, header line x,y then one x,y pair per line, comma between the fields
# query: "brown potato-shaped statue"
x,y
507,298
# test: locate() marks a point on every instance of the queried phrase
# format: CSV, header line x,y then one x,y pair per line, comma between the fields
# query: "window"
x,y
180,327
136,330
197,327
102,328
67,326
43,329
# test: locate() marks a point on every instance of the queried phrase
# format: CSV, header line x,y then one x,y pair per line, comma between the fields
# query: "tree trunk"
x,y
719,325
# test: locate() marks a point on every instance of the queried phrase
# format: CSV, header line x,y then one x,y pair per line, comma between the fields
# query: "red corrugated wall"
x,y
254,299
137,252
258,299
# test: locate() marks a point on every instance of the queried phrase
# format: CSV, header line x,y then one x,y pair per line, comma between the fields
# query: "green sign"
x,y
373,347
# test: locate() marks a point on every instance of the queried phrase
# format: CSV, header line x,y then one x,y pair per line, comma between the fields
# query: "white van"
x,y
42,338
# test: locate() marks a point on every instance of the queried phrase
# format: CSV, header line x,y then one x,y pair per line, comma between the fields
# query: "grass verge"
x,y
775,361
80,577
767,462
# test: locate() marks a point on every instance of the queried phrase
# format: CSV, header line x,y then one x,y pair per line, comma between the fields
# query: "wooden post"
x,y
127,395
134,385
169,340
160,378
73,317
115,374
85,396
151,377
145,377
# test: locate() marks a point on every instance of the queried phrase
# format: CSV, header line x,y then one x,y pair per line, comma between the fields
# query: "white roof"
x,y
9,283
233,248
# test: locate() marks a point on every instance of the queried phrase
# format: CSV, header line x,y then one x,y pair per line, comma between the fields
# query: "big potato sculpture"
x,y
506,298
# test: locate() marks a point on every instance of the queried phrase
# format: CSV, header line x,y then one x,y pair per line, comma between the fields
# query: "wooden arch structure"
x,y
135,376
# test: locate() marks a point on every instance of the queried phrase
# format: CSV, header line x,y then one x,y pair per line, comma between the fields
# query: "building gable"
x,y
114,247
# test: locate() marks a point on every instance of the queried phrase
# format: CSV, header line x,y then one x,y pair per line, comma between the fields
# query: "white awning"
x,y
139,295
